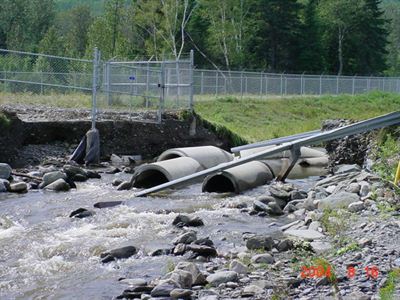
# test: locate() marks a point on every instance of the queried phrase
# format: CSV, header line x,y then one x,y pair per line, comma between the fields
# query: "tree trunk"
x,y
340,51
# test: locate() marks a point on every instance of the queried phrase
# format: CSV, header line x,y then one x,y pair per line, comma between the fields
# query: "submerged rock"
x,y
107,204
184,220
120,253
81,213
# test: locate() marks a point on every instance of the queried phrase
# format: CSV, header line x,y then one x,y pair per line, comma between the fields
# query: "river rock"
x,y
222,277
320,247
72,171
184,220
364,188
252,290
294,195
160,252
284,245
181,294
264,258
184,279
185,238
339,200
134,281
347,169
289,208
19,187
4,186
125,185
79,178
238,267
274,209
260,206
204,241
81,213
353,187
92,174
107,204
58,186
260,242
5,171
279,193
124,252
305,234
201,250
163,289
117,182
356,206
51,177
198,277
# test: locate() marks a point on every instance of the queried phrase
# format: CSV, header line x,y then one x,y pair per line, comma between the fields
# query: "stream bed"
x,y
44,254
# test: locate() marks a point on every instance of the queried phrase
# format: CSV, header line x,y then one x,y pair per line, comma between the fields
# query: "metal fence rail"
x,y
213,82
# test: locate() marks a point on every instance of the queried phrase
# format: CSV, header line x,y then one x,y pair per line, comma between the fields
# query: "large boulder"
x,y
60,185
5,171
51,177
124,252
184,220
339,200
19,187
198,277
260,242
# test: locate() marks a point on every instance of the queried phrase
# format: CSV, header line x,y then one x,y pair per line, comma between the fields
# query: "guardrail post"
x,y
266,85
281,84
41,83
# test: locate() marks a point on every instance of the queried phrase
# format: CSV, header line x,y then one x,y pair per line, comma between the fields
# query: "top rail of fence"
x,y
44,55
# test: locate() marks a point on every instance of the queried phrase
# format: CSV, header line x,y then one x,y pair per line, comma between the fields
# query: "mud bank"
x,y
117,135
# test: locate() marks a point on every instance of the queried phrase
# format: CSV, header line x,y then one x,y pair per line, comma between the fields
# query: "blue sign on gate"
x,y
132,77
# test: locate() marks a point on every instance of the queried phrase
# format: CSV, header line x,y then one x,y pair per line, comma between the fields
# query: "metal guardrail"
x,y
367,125
276,141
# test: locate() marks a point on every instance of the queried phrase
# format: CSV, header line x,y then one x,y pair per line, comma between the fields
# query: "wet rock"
x,y
289,208
184,220
19,187
279,193
5,171
113,170
260,242
252,290
347,169
356,206
284,245
238,267
163,289
222,277
260,206
60,185
365,188
204,241
120,253
294,195
133,281
81,213
126,185
79,178
117,182
185,238
274,209
4,185
72,171
106,204
198,277
181,294
305,234
92,174
339,200
51,177
202,250
129,295
265,258
179,249
160,252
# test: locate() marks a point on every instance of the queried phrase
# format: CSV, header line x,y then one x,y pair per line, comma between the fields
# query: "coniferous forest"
x,y
294,36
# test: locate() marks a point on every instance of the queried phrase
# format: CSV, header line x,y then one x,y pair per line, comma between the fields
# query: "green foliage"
x,y
387,155
353,246
387,292
170,266
4,121
335,223
259,119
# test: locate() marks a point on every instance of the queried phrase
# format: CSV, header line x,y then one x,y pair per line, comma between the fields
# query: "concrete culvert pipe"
x,y
238,179
207,156
153,174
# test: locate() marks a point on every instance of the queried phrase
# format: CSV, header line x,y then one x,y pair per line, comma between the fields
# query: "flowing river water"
x,y
44,254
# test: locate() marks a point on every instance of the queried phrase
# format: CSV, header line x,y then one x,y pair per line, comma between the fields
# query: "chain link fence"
x,y
214,83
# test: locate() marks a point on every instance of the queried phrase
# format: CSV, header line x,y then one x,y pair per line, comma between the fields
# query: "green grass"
x,y
387,292
260,119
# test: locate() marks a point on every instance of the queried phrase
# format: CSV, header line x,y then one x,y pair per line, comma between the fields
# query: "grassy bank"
x,y
258,119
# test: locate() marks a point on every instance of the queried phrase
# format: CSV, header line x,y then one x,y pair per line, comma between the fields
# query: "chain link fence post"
x,y
96,58
191,104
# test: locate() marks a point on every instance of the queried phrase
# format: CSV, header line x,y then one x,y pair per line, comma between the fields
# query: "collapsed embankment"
x,y
117,136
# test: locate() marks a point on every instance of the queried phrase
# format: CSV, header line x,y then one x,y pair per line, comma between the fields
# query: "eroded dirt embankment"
x,y
65,127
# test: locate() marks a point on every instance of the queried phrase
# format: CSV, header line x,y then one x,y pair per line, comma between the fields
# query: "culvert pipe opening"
x,y
219,184
150,178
